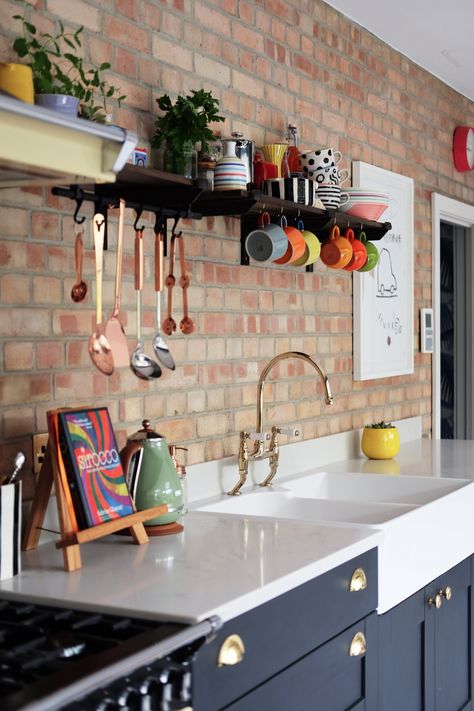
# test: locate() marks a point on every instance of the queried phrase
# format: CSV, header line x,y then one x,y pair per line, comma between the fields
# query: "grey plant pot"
x,y
61,103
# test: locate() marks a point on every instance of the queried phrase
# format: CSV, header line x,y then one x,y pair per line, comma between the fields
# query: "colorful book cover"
x,y
94,463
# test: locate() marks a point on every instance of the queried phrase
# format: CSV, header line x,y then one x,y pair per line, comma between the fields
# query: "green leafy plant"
x,y
381,426
186,121
57,70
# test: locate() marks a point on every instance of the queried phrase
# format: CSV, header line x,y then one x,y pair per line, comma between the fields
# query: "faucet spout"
x,y
285,356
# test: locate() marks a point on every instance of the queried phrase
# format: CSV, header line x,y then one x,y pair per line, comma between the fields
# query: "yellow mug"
x,y
17,80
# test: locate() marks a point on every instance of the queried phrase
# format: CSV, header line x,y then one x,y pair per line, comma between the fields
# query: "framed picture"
x,y
383,297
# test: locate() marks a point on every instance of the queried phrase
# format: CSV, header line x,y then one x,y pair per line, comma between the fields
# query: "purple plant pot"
x,y
61,103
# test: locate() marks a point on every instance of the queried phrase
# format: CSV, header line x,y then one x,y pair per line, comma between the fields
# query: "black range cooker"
x,y
53,658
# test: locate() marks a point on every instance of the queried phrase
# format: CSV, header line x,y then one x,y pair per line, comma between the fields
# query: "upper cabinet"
x,y
41,147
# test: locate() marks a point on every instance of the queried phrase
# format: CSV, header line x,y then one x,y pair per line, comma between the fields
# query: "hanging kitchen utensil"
x,y
160,346
186,324
98,346
79,290
114,330
143,366
169,324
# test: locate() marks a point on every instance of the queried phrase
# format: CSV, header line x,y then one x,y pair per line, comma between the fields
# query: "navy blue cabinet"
x,y
311,649
425,646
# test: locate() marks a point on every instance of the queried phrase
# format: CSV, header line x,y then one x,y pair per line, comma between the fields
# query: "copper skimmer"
x,y
186,324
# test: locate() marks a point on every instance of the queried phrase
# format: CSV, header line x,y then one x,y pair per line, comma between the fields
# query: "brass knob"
x,y
358,580
447,593
437,601
358,645
232,651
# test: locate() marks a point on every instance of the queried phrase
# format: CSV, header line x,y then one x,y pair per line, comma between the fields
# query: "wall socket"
x,y
39,450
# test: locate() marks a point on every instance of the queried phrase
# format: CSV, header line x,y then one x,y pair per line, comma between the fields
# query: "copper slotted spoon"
x,y
114,330
98,346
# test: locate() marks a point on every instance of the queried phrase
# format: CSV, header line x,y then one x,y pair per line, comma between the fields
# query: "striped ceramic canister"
x,y
230,172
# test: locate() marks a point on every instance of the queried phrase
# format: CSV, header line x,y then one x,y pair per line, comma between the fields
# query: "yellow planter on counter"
x,y
380,443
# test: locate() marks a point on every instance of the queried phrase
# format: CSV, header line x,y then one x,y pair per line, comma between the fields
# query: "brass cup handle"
x,y
446,593
232,651
358,580
437,601
358,645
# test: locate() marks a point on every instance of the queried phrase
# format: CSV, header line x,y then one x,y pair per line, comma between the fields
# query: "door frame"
x,y
443,209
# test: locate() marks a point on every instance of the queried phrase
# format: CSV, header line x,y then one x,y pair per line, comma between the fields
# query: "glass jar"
x,y
183,162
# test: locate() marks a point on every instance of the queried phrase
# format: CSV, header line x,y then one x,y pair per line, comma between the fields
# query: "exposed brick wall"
x,y
268,62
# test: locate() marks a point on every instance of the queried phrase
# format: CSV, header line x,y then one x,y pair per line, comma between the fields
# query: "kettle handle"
x,y
126,455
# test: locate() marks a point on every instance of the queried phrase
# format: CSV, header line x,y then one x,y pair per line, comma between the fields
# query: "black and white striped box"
x,y
10,530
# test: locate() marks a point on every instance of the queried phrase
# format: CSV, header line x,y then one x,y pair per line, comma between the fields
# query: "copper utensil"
x,y
79,290
169,324
98,346
143,366
160,346
186,324
114,330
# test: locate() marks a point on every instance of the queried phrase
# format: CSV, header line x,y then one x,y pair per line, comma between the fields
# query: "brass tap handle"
x,y
243,458
437,601
446,593
274,452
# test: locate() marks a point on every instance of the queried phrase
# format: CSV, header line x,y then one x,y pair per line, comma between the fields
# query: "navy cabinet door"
x,y
452,624
328,679
402,659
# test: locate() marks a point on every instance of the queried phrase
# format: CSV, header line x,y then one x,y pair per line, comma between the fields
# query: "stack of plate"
x,y
365,202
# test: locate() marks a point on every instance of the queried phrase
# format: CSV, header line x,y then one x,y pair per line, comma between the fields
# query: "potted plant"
x,y
380,440
182,125
61,78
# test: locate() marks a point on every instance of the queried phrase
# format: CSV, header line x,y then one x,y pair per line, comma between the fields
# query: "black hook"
x,y
159,222
77,220
138,211
173,229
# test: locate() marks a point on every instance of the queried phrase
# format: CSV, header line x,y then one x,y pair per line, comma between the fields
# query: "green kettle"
x,y
151,474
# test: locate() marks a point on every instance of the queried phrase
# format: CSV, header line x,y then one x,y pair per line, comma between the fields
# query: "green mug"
x,y
372,254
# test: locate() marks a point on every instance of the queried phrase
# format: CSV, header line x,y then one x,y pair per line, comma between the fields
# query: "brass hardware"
x,y
232,651
358,645
437,601
243,464
358,580
269,366
446,593
40,442
274,456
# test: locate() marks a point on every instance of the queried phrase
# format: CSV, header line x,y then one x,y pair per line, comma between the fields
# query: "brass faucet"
x,y
259,436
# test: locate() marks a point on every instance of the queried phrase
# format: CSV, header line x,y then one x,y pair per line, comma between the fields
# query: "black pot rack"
x,y
173,196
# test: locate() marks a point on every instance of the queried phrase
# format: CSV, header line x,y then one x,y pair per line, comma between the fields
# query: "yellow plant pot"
x,y
380,443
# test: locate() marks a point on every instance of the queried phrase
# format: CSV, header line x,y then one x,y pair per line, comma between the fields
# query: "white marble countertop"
x,y
223,565
219,566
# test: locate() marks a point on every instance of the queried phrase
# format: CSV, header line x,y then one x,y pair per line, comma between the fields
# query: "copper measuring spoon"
x,y
169,324
98,346
186,324
79,290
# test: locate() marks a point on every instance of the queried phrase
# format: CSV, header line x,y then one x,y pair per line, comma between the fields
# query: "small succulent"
x,y
380,425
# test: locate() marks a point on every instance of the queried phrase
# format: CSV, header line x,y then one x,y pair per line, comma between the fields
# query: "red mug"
x,y
359,256
296,244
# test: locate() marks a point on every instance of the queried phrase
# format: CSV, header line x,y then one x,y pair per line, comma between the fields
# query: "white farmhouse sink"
x,y
428,523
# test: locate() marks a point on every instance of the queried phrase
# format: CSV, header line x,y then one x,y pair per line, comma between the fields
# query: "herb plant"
x,y
186,121
57,69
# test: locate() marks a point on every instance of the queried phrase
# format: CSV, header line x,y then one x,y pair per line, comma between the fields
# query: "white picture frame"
x,y
383,313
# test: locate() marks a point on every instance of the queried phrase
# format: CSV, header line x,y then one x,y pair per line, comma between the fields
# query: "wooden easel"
x,y
71,539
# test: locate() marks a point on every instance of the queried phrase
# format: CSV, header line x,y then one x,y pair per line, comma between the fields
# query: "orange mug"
x,y
359,256
296,244
336,251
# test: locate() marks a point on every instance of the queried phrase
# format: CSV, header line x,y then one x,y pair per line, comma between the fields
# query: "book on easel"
x,y
92,466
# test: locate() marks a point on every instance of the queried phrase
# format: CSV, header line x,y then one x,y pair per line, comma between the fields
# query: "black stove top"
x,y
50,653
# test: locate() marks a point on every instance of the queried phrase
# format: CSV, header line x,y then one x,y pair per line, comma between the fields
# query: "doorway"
x,y
453,310
455,331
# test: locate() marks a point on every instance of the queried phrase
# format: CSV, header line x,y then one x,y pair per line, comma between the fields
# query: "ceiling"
x,y
436,34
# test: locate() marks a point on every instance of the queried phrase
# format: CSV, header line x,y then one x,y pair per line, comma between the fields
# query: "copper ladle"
x,y
79,290
98,346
